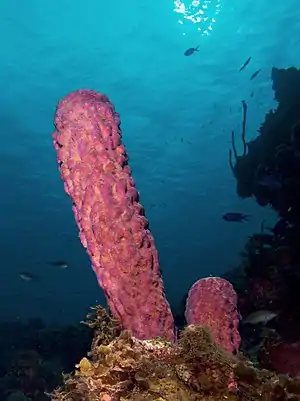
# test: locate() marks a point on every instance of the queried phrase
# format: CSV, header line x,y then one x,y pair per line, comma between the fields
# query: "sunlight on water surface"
x,y
202,13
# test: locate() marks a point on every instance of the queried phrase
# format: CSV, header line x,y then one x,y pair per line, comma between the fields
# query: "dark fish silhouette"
x,y
59,263
245,64
235,217
254,75
26,276
191,51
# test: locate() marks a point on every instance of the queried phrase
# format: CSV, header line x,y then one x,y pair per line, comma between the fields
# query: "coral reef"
x,y
270,281
281,357
157,370
269,278
93,165
269,167
137,352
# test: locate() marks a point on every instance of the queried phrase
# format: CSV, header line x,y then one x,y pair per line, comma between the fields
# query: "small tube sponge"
x,y
212,303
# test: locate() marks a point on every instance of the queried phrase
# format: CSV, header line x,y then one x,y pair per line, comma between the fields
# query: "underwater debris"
x,y
235,217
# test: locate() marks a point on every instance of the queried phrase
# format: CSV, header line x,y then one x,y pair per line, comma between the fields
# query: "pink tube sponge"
x,y
113,228
212,302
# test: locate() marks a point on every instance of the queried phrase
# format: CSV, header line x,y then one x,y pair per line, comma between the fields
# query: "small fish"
x,y
262,316
60,263
235,217
191,51
245,64
254,74
25,276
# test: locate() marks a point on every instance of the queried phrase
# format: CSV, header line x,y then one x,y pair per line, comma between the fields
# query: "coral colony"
x,y
148,358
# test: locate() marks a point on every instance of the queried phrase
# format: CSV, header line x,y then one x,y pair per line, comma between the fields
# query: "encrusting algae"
x,y
120,367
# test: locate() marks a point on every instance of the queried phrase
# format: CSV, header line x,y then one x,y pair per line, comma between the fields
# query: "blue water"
x,y
177,115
